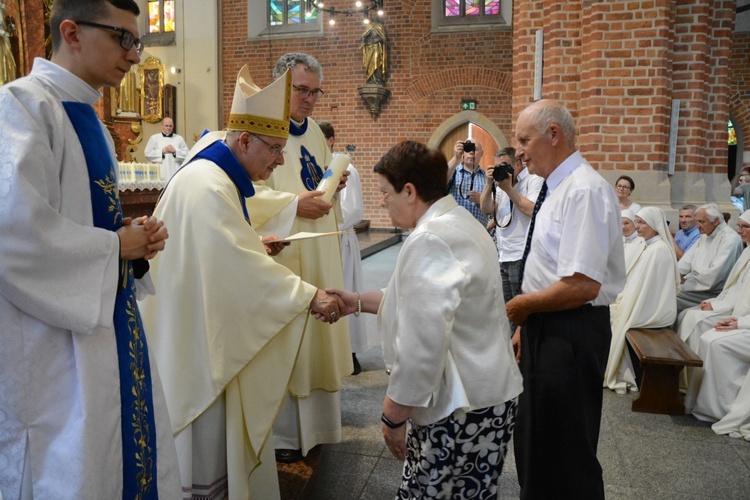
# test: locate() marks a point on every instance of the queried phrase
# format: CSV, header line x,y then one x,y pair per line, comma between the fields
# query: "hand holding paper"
x,y
302,235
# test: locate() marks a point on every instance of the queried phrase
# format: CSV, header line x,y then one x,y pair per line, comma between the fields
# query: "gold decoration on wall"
x,y
47,8
137,129
152,90
8,70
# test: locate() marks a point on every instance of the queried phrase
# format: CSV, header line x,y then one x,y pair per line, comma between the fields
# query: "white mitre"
x,y
255,110
261,111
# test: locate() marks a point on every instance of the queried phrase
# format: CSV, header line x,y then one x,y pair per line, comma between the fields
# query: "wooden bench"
x,y
663,355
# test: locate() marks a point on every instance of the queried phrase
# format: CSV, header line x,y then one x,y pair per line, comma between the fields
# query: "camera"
x,y
502,172
469,147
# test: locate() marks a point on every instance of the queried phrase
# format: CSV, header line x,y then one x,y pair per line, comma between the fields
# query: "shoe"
x,y
357,367
288,456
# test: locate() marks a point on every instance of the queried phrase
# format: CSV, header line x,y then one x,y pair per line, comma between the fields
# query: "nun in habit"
x,y
634,244
649,297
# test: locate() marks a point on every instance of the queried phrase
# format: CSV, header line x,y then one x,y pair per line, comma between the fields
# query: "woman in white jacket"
x,y
445,336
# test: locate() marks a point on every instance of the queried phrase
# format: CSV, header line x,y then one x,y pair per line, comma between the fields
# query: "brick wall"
x,y
428,76
616,64
739,99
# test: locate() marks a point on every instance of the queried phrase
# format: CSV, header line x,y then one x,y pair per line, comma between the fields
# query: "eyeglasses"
x,y
305,92
127,39
623,187
273,148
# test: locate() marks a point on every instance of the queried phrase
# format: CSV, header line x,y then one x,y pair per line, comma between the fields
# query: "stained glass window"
x,y
154,17
161,16
169,16
290,12
732,141
464,8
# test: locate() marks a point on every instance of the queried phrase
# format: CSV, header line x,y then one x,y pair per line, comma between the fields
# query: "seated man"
x,y
705,267
692,322
648,300
721,389
688,233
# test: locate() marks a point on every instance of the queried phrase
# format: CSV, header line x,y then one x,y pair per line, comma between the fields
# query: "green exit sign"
x,y
469,105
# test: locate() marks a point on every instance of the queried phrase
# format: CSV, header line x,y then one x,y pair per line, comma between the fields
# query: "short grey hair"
x,y
689,206
554,112
712,212
291,59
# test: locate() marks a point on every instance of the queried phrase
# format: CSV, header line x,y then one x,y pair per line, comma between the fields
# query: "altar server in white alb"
x,y
648,300
352,211
720,391
227,334
167,149
286,204
82,413
695,321
705,267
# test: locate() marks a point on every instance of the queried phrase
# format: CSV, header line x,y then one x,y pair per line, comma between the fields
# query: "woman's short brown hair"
x,y
413,162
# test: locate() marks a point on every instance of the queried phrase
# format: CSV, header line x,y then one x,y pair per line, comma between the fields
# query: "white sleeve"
x,y
181,150
431,282
351,201
153,151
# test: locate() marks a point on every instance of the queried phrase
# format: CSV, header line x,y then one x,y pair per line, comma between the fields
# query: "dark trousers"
x,y
510,272
563,357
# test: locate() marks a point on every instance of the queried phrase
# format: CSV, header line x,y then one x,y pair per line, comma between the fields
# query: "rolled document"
x,y
332,176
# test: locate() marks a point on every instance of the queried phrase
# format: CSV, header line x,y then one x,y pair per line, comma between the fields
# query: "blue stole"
x,y
136,405
311,173
220,154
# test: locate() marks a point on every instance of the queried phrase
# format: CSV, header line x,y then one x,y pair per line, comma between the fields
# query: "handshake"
x,y
330,305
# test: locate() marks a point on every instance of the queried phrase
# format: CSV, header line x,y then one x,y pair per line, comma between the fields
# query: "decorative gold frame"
x,y
152,90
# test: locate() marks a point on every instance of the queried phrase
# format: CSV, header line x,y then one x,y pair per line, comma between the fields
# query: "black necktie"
x,y
537,206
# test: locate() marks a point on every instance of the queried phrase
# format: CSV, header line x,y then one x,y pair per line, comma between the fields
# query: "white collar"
x,y
66,82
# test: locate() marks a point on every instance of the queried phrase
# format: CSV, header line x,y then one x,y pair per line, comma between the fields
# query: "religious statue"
x,y
374,53
7,62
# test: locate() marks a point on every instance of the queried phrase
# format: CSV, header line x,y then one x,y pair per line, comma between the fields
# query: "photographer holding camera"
x,y
511,195
466,179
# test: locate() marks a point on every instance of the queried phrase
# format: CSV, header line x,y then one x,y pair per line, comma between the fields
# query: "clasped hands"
x,y
141,238
330,305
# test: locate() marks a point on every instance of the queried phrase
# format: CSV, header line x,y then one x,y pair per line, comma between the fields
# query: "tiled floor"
x,y
644,456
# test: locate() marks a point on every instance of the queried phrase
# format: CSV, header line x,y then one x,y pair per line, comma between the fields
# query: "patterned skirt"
x,y
460,456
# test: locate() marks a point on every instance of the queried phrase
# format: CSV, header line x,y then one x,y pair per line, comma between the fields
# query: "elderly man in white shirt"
x,y
512,202
693,322
167,149
575,267
705,266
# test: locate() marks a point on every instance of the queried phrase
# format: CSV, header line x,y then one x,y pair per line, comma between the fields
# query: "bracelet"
x,y
390,424
359,306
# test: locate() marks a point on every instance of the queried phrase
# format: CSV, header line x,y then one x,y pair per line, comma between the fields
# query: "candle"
x,y
332,176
